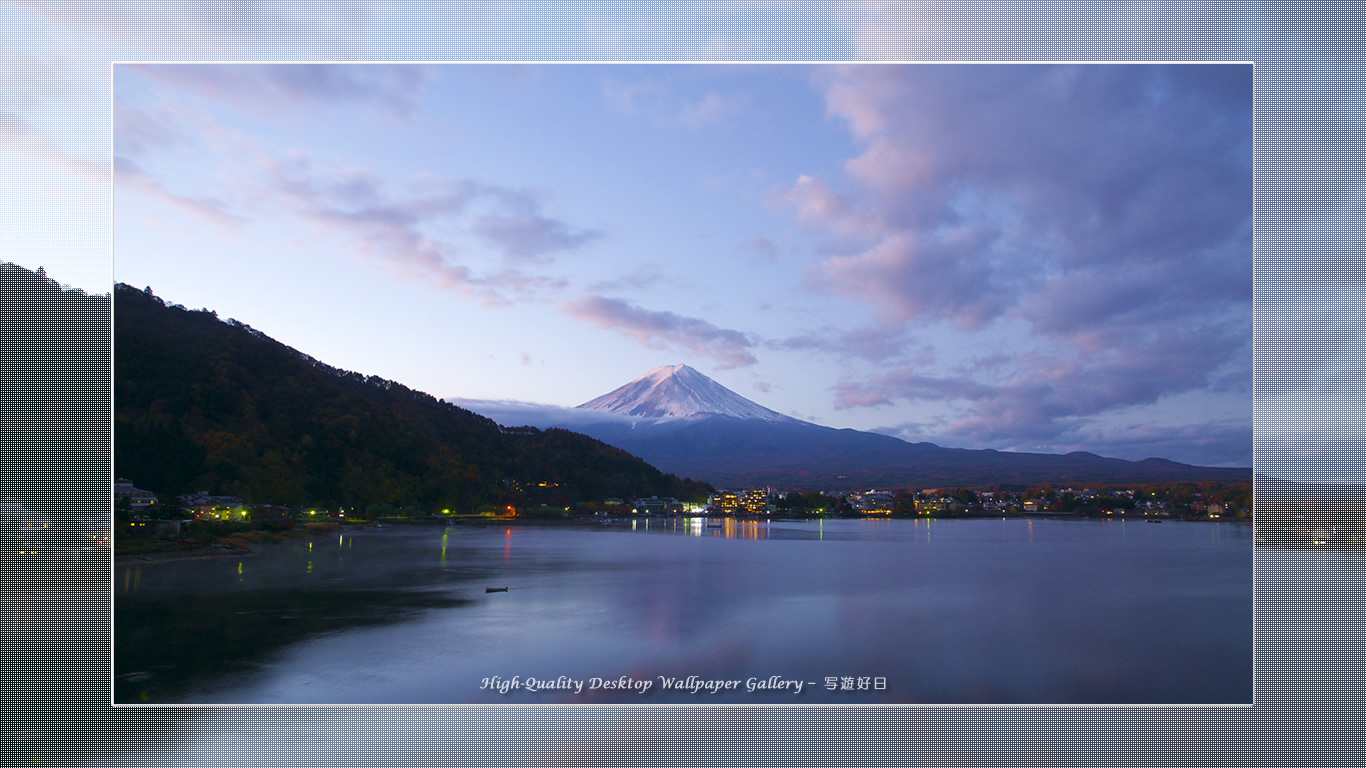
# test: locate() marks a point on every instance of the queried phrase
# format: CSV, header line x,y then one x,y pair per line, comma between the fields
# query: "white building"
x,y
137,498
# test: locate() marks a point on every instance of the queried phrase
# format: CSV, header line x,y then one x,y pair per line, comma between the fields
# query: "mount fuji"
x,y
672,391
685,423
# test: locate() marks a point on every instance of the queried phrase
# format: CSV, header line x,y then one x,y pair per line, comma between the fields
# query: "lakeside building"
x,y
935,505
204,498
655,505
754,502
725,503
204,504
873,502
137,497
166,529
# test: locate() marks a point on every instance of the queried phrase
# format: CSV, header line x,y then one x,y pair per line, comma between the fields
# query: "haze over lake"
x,y
942,611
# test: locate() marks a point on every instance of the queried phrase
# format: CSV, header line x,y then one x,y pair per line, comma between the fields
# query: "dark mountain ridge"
x,y
201,403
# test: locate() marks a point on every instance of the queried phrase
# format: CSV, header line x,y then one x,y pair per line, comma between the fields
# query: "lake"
x,y
886,611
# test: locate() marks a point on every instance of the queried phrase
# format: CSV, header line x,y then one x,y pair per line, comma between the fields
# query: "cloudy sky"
x,y
1019,257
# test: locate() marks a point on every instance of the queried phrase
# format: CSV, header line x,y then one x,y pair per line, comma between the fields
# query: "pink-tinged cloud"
x,y
818,206
665,330
127,173
266,88
18,134
643,277
1219,442
393,226
861,96
1107,210
1011,180
386,228
1040,396
318,30
906,384
392,237
137,132
527,235
711,108
764,249
666,102
950,276
870,343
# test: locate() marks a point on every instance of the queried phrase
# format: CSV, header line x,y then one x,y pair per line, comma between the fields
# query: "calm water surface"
x,y
949,611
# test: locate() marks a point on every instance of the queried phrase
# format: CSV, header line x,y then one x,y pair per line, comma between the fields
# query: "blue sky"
x,y
1021,257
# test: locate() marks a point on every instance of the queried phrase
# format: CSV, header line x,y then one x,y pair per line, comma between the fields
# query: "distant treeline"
x,y
1178,497
204,404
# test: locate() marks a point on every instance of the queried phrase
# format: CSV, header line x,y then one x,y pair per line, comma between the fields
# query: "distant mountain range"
x,y
206,404
679,420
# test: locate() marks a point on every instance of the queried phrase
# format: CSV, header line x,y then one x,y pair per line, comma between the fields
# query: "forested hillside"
x,y
54,395
204,404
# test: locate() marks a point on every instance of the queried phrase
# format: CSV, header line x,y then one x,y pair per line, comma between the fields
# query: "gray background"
x,y
1310,280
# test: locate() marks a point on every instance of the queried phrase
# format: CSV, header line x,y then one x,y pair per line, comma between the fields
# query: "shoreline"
x,y
216,549
198,553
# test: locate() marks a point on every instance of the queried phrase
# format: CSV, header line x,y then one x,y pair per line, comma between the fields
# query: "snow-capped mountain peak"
x,y
671,391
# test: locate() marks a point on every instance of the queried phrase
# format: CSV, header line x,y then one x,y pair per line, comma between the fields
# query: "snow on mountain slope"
x,y
672,391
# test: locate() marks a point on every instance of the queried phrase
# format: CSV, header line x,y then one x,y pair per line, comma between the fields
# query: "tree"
x,y
1069,504
123,510
381,510
903,503
168,507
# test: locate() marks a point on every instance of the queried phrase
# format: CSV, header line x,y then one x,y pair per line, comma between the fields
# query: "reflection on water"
x,y
132,578
727,528
980,611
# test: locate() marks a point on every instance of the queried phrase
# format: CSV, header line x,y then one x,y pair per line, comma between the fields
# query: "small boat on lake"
x,y
495,589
